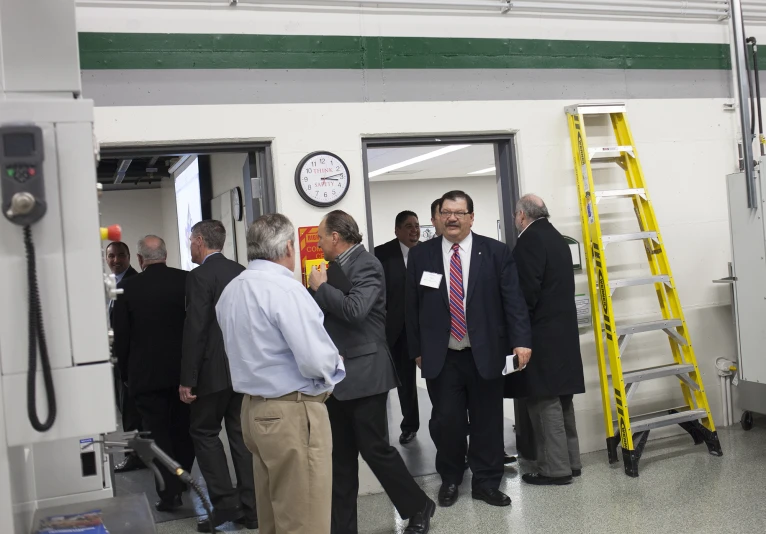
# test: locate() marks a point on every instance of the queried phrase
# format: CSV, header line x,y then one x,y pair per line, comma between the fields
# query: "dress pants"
x,y
555,431
458,388
292,459
207,412
167,419
131,419
360,426
408,390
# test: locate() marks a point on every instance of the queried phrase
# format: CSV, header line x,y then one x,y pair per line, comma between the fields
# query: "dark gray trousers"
x,y
553,424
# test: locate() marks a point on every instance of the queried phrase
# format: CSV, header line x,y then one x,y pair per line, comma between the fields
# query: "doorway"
x,y
165,190
409,174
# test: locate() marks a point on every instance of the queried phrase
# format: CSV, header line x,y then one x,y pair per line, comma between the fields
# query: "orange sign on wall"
x,y
310,253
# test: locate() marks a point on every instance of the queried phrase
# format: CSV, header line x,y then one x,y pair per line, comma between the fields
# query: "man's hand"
x,y
524,354
186,394
317,277
419,361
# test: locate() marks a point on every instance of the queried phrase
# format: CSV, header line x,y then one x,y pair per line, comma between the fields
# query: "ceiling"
x,y
456,164
134,173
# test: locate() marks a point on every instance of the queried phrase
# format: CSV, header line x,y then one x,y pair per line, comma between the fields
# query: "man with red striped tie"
x,y
464,314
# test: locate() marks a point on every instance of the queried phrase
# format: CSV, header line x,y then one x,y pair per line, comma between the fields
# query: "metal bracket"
x,y
255,187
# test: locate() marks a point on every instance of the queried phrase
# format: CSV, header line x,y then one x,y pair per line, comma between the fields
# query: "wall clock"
x,y
322,179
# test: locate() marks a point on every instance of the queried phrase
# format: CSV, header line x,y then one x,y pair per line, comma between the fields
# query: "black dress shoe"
x,y
509,460
221,516
576,472
407,437
131,462
420,523
448,495
541,480
491,496
169,505
249,522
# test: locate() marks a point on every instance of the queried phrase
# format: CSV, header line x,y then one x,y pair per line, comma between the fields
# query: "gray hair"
x,y
533,206
213,233
268,237
152,248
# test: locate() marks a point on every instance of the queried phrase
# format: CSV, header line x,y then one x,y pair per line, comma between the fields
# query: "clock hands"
x,y
332,177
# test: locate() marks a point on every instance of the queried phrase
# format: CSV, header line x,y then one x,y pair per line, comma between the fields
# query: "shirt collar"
x,y
405,249
269,266
343,257
465,244
206,257
530,224
120,276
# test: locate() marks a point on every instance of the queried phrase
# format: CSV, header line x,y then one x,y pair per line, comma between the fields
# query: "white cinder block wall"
x,y
687,146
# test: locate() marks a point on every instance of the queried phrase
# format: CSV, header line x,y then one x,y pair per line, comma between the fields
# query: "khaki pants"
x,y
291,442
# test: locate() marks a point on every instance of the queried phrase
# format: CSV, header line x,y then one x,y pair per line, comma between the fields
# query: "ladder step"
x,y
651,373
596,109
639,281
616,238
667,420
595,152
651,326
620,193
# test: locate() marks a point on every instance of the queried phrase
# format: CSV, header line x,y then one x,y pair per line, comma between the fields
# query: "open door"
x,y
258,184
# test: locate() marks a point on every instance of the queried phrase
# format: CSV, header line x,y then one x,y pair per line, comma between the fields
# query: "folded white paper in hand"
x,y
509,364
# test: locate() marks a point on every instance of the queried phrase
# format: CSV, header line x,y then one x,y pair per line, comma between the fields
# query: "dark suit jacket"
x,y
390,256
547,280
495,310
205,366
130,272
356,323
148,322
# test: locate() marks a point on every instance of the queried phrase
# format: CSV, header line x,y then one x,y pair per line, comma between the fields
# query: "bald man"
x,y
148,322
555,374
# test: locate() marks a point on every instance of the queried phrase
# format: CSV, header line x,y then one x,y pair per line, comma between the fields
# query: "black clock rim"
x,y
310,200
240,205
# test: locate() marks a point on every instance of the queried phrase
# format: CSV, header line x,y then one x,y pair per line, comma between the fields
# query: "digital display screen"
x,y
18,145
188,209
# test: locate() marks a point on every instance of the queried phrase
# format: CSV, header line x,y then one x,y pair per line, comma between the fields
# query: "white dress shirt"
x,y
465,261
274,335
405,252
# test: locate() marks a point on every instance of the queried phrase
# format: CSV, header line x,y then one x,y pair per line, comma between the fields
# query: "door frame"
x,y
506,171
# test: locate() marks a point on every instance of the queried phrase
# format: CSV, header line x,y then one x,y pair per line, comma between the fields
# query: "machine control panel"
x,y
21,175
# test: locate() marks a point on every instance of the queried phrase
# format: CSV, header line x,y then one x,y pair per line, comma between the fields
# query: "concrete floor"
x,y
682,489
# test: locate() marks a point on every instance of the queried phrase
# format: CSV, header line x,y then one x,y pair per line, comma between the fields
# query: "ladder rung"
x,y
620,193
596,109
616,238
656,372
639,281
668,420
651,326
597,151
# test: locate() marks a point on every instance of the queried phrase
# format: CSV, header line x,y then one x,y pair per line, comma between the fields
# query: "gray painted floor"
x,y
682,489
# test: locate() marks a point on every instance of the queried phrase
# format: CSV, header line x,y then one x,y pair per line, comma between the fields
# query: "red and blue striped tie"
x,y
458,327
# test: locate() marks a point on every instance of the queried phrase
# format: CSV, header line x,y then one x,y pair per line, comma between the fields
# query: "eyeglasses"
x,y
457,214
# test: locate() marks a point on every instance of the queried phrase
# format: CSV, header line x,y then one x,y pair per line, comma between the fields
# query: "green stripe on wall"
x,y
202,51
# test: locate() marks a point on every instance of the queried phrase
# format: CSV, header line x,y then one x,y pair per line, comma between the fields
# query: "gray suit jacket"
x,y
356,323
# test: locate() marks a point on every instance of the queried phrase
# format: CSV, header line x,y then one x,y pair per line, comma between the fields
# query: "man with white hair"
x,y
148,322
286,365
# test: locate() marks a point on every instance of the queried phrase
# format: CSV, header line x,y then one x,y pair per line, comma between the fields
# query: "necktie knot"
x,y
455,247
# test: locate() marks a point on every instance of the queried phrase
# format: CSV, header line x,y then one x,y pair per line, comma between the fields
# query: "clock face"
x,y
322,179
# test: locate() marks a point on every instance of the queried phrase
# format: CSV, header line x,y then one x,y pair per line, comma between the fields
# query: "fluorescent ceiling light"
x,y
483,171
418,159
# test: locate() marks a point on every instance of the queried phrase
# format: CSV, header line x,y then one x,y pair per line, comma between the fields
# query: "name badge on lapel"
x,y
431,280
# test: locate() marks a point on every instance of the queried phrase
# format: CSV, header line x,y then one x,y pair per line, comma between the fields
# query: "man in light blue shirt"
x,y
285,363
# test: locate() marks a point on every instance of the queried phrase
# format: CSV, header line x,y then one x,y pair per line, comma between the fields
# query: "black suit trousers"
x,y
131,419
408,390
207,413
360,426
166,418
459,387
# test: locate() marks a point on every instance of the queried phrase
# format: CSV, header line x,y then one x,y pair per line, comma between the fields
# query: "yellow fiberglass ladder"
x,y
612,336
